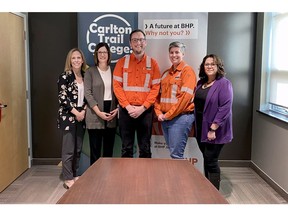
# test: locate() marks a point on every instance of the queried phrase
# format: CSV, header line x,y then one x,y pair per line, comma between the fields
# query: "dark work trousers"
x,y
211,154
72,143
142,126
99,137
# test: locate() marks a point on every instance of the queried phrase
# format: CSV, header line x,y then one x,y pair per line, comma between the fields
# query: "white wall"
x,y
270,148
269,136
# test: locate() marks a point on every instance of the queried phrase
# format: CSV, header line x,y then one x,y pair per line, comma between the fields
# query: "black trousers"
x,y
97,139
142,126
211,154
102,137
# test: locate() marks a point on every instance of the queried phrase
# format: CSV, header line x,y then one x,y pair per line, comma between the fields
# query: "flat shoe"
x,y
66,186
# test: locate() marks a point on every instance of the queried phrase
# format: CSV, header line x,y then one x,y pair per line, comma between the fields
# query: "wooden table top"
x,y
142,181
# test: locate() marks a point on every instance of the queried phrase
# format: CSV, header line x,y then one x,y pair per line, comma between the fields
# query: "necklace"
x,y
207,84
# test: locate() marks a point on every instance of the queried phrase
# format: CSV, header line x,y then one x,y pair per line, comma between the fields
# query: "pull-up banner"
x,y
161,29
112,28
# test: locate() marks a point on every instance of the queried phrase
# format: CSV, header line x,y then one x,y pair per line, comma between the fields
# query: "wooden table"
x,y
142,181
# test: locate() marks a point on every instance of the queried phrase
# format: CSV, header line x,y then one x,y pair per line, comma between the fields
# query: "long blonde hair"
x,y
68,66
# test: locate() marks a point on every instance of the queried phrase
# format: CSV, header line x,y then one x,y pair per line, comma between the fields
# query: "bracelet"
x,y
212,130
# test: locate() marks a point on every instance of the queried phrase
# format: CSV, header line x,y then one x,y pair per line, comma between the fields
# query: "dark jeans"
x,y
142,126
211,154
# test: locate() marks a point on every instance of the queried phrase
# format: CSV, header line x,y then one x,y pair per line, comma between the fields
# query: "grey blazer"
x,y
94,94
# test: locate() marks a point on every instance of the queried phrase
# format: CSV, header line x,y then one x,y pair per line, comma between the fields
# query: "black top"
x,y
199,101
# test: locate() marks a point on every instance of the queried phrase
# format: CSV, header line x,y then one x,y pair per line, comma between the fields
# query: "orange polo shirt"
x,y
138,84
177,91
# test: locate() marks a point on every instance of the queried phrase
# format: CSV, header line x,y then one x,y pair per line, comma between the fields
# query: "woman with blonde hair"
x,y
71,113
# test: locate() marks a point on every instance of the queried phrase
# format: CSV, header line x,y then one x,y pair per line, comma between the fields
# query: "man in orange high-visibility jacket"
x,y
136,83
174,107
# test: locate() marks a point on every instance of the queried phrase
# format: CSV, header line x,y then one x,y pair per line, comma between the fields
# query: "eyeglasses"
x,y
102,52
211,65
136,40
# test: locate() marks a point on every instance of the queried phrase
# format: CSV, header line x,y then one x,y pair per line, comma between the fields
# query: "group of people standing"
x,y
132,95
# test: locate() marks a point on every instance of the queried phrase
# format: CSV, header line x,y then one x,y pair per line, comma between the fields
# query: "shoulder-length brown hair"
x,y
68,66
219,64
98,46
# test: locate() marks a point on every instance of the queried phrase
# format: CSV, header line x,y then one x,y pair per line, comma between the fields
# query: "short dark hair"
x,y
137,30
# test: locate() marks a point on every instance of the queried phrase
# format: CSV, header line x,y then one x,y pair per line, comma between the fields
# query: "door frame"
x,y
28,85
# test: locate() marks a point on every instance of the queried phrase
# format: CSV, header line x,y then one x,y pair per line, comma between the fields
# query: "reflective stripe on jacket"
x,y
136,82
177,91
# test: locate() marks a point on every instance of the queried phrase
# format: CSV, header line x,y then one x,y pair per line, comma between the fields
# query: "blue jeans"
x,y
176,132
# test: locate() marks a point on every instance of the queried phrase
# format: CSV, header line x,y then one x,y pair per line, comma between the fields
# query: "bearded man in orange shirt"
x,y
136,82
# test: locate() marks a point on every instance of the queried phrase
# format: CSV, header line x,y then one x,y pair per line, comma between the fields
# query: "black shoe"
x,y
66,186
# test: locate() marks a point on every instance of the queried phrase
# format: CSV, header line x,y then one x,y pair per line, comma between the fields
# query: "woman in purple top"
x,y
213,112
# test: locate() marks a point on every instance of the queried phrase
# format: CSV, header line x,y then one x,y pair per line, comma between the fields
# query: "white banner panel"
x,y
192,152
169,28
162,29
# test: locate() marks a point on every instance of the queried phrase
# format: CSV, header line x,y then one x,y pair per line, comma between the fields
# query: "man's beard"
x,y
137,52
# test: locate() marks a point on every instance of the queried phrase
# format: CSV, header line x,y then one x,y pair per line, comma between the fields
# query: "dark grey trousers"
x,y
72,143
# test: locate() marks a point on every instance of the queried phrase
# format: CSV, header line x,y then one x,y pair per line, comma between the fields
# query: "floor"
x,y
41,184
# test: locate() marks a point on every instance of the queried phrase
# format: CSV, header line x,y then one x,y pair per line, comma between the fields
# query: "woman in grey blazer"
x,y
102,108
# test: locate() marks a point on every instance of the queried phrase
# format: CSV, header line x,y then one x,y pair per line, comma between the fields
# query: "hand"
x,y
136,111
113,113
80,116
161,117
129,108
211,135
103,115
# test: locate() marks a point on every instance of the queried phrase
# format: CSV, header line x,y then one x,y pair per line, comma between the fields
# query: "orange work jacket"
x,y
176,92
136,82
